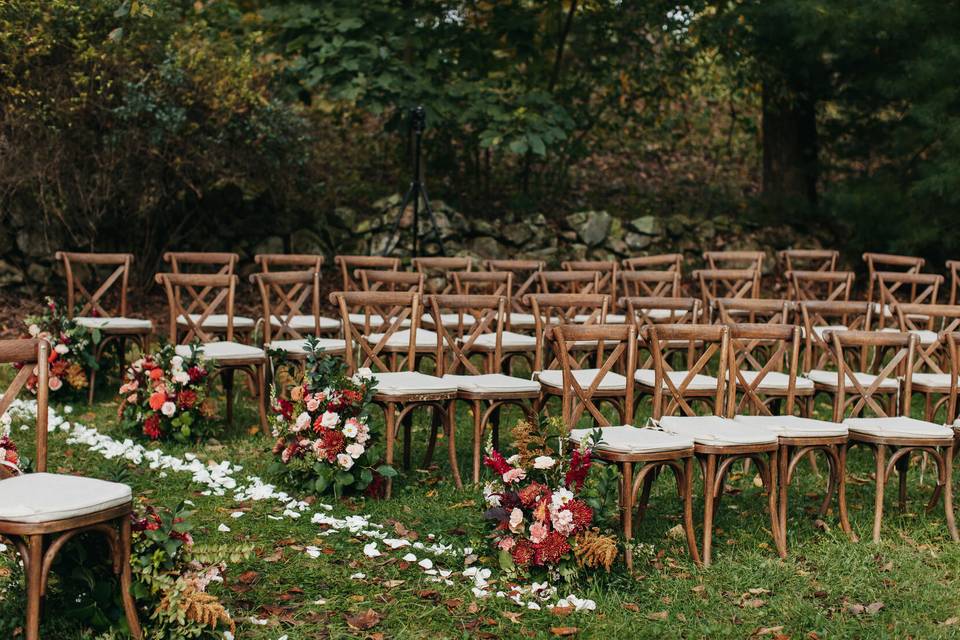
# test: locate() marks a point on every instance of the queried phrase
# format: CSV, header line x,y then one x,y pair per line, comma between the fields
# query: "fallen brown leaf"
x,y
513,616
564,631
363,621
658,615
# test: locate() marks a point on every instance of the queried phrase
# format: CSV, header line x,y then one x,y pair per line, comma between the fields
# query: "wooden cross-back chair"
x,y
754,310
349,264
207,263
931,324
892,287
390,357
288,261
661,262
817,260
608,378
219,262
435,270
41,511
718,442
291,312
819,317
827,286
727,260
92,295
552,309
650,284
889,262
702,377
483,385
570,282
953,411
393,281
726,283
607,270
953,267
646,310
207,293
526,280
890,428
491,283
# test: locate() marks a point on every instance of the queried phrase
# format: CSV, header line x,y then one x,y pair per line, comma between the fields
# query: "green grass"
x,y
814,593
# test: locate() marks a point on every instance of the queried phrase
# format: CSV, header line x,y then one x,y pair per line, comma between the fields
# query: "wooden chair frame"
x,y
93,303
889,262
292,291
607,270
570,282
225,263
913,288
953,267
392,281
935,356
39,543
855,316
704,344
286,261
552,309
816,260
664,261
524,285
825,286
349,263
682,310
650,284
441,266
721,260
492,283
953,411
726,283
754,311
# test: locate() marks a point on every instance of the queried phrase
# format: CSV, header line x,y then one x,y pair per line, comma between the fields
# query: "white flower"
x,y
62,349
329,419
223,528
355,450
168,409
303,420
34,331
176,362
516,520
350,429
344,461
370,550
543,462
426,563
561,497
181,377
514,459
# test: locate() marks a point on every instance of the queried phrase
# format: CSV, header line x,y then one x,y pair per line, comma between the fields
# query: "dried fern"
x,y
595,550
196,606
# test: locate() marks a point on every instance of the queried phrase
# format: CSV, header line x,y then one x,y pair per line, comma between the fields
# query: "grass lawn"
x,y
828,587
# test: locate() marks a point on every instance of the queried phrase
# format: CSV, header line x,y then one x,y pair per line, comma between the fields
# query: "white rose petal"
x,y
223,528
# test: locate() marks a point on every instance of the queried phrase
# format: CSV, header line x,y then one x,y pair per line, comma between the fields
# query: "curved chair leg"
x,y
688,510
948,493
262,398
626,509
390,419
881,460
476,408
842,492
709,479
450,427
34,575
126,579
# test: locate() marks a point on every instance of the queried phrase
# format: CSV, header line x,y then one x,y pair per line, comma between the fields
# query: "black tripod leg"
x,y
395,233
433,219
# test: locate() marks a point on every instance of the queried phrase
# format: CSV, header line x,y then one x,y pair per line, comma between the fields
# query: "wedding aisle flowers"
x,y
164,395
71,349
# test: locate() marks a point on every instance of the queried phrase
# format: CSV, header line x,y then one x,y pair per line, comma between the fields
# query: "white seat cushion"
x,y
612,318
630,439
425,339
493,383
376,321
711,430
648,377
223,351
509,340
329,345
584,377
218,321
939,380
794,426
411,382
822,329
45,497
665,314
924,336
449,319
776,381
898,427
306,323
113,323
829,379
887,312
526,320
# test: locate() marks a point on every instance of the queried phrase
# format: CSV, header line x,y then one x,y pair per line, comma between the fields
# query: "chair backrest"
x,y
809,259
735,260
762,349
726,283
817,347
889,262
28,354
525,277
754,310
942,319
349,263
284,295
664,261
380,280
891,287
492,283
705,344
385,313
288,261
953,266
646,310
553,309
94,299
650,284
953,344
607,270
435,271
891,353
218,262
616,353
570,282
820,285
458,343
204,294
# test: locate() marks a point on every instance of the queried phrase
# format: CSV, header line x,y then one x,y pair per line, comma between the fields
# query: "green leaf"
x,y
387,471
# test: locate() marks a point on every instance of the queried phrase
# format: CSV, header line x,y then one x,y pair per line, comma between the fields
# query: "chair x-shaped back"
x,y
293,291
862,394
526,278
394,310
827,286
763,349
94,302
713,341
348,264
206,294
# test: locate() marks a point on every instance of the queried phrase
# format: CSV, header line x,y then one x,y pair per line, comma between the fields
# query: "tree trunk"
x,y
790,167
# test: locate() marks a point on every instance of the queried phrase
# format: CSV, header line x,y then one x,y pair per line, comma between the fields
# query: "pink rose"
x,y
516,520
506,544
514,475
54,383
538,532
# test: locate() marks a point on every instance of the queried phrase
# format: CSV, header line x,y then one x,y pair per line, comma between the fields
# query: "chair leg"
x,y
779,534
626,510
390,419
842,491
226,378
262,398
34,575
688,510
645,495
881,459
709,479
948,493
437,419
783,462
903,466
92,387
126,579
451,430
477,409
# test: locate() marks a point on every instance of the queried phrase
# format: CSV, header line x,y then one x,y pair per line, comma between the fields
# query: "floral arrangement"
x,y
164,395
324,439
539,517
71,349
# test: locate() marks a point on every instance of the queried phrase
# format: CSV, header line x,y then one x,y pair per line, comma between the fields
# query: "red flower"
x,y
582,514
279,445
151,427
531,493
285,408
552,549
59,367
522,552
332,442
186,399
196,374
579,467
497,462
156,374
